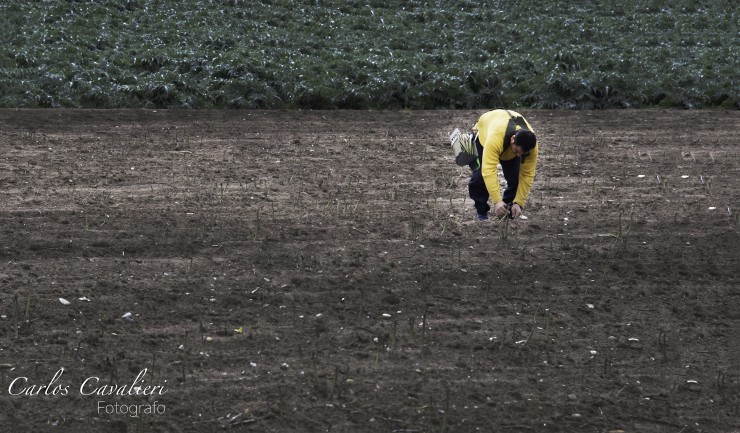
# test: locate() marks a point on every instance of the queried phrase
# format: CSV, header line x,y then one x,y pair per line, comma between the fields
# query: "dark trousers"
x,y
477,187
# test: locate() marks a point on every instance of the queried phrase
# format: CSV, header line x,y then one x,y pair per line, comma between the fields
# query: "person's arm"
x,y
489,169
526,177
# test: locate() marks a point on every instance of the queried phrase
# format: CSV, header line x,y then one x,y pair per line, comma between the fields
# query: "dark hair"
x,y
525,139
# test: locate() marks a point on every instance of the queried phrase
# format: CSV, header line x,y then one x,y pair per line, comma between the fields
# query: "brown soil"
x,y
297,271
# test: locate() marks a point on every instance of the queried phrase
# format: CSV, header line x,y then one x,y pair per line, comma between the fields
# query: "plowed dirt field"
x,y
323,271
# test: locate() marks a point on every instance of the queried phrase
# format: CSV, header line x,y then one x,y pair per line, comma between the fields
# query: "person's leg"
x,y
476,186
511,174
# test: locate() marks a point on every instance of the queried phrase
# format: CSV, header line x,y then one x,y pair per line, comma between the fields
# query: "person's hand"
x,y
500,209
516,211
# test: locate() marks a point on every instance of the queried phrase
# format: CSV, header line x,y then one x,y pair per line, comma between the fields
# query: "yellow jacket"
x,y
491,128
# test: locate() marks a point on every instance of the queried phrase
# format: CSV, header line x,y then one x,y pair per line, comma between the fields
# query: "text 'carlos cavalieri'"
x,y
91,386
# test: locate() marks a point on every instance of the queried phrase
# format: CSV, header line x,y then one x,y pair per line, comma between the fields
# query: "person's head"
x,y
523,141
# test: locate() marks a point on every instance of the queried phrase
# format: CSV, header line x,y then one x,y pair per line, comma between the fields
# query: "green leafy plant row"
x,y
326,54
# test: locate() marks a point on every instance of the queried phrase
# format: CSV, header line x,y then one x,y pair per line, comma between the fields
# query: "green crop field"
x,y
369,54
